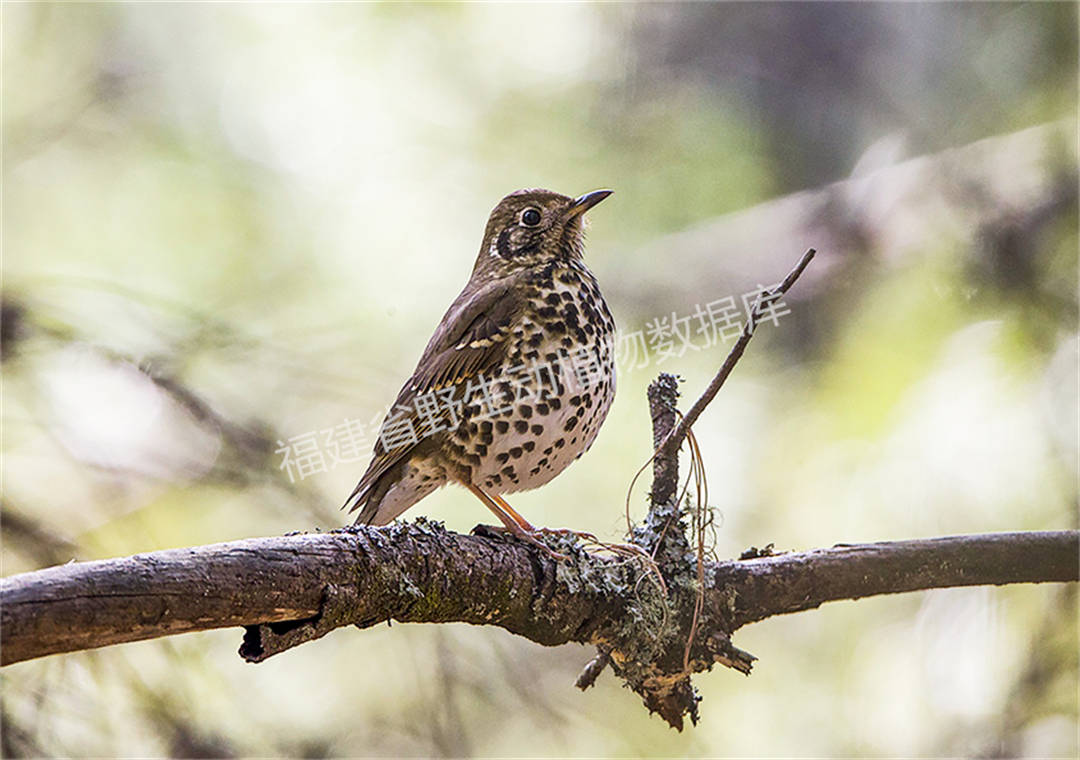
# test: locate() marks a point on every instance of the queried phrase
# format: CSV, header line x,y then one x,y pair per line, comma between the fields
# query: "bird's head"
x,y
533,227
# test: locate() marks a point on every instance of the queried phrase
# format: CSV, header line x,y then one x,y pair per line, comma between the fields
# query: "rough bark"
x,y
293,589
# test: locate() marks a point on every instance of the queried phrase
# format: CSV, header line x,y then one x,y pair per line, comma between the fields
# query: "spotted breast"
x,y
557,382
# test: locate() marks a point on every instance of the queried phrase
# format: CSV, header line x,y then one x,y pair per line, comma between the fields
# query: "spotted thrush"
x,y
517,379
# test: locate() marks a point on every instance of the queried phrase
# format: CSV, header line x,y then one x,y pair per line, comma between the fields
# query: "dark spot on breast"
x,y
521,426
560,443
481,449
485,426
508,471
556,403
548,450
501,457
570,424
516,452
567,295
529,445
502,426
542,408
537,429
575,400
525,411
553,299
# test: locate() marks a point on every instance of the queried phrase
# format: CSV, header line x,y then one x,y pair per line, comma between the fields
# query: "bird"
x,y
515,382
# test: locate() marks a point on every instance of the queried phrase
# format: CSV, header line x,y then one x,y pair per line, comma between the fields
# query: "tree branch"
x,y
784,583
298,588
757,311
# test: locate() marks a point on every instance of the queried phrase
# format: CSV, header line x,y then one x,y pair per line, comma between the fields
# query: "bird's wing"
x,y
470,340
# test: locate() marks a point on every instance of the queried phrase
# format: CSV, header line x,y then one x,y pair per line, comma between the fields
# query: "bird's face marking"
x,y
532,227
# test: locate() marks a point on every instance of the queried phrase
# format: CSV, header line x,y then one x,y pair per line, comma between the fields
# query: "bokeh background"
x,y
231,227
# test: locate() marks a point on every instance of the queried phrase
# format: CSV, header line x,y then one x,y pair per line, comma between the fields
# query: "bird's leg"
x,y
525,525
590,538
506,518
518,526
521,521
624,550
515,524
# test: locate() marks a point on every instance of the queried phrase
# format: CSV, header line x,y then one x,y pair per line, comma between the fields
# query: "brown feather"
x,y
469,341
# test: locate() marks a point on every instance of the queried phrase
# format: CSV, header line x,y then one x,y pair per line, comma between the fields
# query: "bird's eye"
x,y
530,217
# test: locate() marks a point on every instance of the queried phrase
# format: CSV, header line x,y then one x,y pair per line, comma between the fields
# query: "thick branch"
x,y
783,583
418,572
297,588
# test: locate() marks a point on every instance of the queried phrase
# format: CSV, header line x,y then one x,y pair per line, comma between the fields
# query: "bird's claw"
x,y
527,537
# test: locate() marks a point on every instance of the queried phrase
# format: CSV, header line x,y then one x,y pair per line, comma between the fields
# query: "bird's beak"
x,y
585,202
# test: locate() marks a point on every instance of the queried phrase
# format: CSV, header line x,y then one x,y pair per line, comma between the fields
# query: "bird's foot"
x,y
594,544
518,526
528,536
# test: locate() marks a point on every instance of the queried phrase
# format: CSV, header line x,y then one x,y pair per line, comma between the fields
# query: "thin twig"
x,y
679,432
593,669
697,467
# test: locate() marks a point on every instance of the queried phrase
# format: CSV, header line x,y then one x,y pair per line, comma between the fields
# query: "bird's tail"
x,y
382,498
